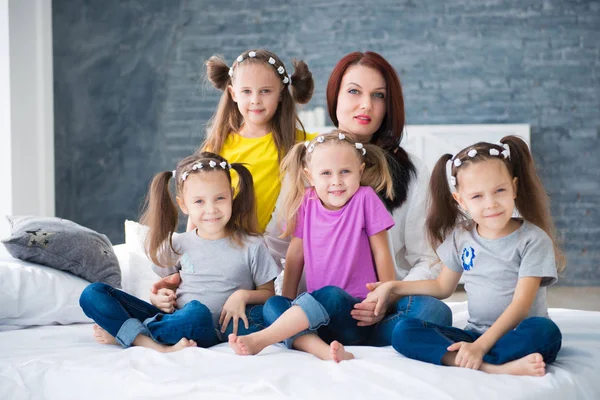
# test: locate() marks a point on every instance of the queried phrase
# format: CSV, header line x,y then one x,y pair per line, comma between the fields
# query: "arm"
x,y
257,296
384,265
294,265
235,306
470,355
442,287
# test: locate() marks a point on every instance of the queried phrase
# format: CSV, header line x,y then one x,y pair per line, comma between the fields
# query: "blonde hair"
x,y
161,214
228,118
376,173
532,201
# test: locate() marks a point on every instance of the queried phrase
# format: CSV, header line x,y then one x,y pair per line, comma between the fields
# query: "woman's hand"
x,y
380,293
364,313
168,282
162,293
234,308
164,299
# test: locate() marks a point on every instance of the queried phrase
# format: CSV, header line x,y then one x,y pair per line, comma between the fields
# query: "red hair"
x,y
390,132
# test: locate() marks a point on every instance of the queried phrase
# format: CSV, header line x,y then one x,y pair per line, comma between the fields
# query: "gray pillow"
x,y
64,245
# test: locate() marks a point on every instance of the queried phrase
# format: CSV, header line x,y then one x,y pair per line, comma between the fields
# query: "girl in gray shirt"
x,y
507,264
225,269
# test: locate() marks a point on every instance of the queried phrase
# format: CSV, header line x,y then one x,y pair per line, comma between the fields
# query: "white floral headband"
x,y
472,153
199,165
320,139
280,69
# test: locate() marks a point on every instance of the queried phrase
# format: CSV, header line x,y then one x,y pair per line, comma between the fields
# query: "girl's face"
x,y
488,192
257,91
361,104
334,171
207,199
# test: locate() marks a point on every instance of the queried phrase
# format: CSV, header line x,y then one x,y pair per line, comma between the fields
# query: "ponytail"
x,y
532,201
292,167
443,211
161,216
377,171
243,221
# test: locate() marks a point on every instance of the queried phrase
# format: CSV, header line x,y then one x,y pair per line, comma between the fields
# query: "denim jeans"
x,y
125,317
428,342
338,324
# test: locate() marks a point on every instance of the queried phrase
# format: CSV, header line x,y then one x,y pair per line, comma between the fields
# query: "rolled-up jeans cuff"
x,y
315,313
129,331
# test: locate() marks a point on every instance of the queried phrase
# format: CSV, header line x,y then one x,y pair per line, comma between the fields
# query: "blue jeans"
x,y
338,324
125,317
428,342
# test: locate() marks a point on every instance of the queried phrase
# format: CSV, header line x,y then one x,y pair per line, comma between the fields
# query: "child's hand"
x,y
164,299
234,308
469,355
380,292
169,282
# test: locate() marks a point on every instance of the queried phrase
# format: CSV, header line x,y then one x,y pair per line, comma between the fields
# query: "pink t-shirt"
x,y
336,243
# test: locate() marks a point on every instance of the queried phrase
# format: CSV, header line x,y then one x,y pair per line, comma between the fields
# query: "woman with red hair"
x,y
364,99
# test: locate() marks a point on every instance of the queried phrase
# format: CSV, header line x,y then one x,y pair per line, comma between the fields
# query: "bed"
x,y
64,362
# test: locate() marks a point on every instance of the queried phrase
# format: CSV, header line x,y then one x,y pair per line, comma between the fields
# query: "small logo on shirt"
x,y
467,256
186,264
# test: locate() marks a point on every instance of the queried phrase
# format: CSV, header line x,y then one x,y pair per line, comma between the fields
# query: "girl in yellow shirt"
x,y
256,122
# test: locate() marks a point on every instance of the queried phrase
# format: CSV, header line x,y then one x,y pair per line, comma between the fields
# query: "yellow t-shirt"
x,y
259,155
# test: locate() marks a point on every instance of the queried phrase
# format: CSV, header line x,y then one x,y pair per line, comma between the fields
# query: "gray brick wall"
x,y
130,99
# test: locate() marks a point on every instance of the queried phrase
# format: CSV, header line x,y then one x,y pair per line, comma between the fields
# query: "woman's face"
x,y
361,104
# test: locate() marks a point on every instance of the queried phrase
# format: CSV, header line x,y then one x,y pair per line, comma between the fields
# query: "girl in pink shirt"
x,y
338,227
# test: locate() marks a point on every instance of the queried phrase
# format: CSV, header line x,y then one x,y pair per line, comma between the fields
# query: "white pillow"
x,y
33,294
139,276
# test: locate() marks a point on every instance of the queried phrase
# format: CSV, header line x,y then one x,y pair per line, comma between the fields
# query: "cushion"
x,y
33,294
64,245
139,276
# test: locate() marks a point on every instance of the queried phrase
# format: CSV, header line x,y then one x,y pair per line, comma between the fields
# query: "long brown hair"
x,y
227,119
389,134
161,214
376,173
532,201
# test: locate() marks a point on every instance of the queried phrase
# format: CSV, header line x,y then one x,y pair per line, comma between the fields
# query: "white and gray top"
x,y
492,268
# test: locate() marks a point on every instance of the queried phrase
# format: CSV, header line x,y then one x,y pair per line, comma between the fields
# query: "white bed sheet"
x,y
64,362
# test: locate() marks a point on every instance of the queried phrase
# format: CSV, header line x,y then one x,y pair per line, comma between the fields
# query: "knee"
x,y
274,307
91,294
403,334
544,329
196,311
331,297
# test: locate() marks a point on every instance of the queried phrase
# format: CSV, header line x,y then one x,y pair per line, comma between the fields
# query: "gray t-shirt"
x,y
492,268
211,270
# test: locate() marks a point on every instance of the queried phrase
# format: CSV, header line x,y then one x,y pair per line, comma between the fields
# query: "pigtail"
x,y
377,172
443,211
292,167
161,217
227,118
303,84
217,72
244,220
532,201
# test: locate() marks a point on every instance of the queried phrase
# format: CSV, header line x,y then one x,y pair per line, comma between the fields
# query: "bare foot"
x,y
338,353
530,365
182,344
245,345
102,336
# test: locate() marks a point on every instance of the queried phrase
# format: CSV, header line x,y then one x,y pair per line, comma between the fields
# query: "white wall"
x,y
26,109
